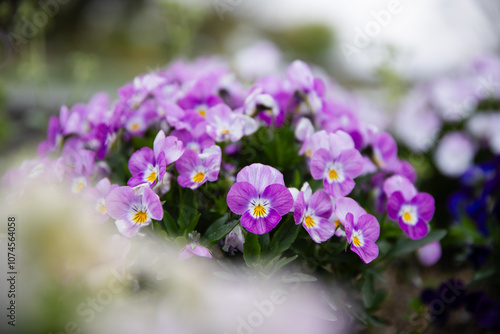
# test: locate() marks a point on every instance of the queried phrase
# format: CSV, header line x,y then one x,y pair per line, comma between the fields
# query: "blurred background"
x,y
55,52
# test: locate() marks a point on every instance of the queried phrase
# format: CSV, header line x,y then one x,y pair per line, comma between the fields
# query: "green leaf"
x,y
264,242
170,224
283,238
216,224
251,249
194,222
283,262
368,291
407,246
221,231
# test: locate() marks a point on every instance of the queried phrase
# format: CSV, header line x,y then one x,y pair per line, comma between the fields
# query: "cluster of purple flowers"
x,y
456,116
197,111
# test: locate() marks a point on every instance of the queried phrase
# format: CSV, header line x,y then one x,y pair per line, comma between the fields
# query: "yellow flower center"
x,y
309,153
259,211
309,222
152,177
140,217
333,174
202,112
337,223
198,177
134,127
407,216
225,131
101,208
356,241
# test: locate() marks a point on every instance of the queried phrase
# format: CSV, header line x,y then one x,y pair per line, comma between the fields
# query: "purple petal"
x,y
279,197
153,204
323,230
339,142
368,252
127,228
260,176
321,203
158,143
425,206
173,149
399,183
186,253
369,227
188,162
348,225
185,181
418,231
300,207
387,148
429,254
119,201
300,75
318,163
136,180
140,160
394,204
201,251
346,205
339,189
239,196
260,225
352,162
103,186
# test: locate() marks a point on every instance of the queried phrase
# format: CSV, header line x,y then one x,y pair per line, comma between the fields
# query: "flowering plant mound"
x,y
216,164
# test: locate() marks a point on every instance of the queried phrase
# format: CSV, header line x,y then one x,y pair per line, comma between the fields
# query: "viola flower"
x,y
385,151
83,164
196,140
234,240
97,196
133,208
263,105
195,169
260,196
311,89
429,254
454,154
194,249
338,165
412,210
226,125
149,165
313,212
361,229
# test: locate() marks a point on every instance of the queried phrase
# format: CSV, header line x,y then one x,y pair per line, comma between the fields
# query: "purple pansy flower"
x,y
196,140
193,249
260,196
314,211
226,125
149,165
412,210
133,208
97,197
195,169
361,229
338,165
